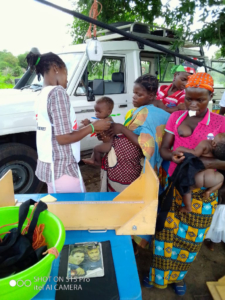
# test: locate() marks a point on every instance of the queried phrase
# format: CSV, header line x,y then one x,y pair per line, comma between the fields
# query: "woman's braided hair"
x,y
149,82
42,63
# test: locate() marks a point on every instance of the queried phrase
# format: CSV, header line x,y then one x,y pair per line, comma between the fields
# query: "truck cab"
x,y
122,63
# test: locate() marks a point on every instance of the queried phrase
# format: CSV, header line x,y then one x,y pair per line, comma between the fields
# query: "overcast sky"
x,y
26,23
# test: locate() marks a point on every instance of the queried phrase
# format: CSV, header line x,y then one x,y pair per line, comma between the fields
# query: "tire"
x,y
22,160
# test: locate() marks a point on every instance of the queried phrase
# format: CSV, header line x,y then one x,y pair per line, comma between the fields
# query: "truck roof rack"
x,y
162,35
154,33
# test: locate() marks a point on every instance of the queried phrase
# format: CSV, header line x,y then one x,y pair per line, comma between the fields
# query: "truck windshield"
x,y
71,60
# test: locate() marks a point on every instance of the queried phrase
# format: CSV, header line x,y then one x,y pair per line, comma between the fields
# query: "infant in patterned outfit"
x,y
103,109
210,179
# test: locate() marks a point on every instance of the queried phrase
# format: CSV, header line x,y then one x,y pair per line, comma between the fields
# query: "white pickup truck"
x,y
123,61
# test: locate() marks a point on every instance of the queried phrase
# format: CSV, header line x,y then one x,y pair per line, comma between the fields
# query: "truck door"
x,y
109,76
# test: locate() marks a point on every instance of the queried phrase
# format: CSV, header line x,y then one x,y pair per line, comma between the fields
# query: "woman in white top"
x,y
58,135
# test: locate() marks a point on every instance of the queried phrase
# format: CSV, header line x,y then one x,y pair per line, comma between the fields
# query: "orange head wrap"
x,y
200,80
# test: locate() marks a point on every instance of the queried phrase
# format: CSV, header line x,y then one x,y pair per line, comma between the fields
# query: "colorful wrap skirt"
x,y
177,245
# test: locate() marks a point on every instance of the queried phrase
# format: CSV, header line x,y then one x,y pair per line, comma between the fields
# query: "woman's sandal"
x,y
180,289
146,283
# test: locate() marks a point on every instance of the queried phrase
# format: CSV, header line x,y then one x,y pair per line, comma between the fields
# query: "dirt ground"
x,y
208,266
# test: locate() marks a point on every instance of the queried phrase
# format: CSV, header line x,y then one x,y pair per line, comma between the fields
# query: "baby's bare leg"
x,y
98,150
95,158
199,181
209,179
187,203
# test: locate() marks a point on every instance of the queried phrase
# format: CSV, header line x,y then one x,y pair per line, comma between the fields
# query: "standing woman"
x,y
58,136
177,245
139,137
173,95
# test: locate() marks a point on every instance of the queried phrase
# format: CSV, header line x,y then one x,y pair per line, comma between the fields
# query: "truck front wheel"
x,y
22,160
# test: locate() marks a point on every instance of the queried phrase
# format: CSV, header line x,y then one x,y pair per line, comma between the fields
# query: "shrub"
x,y
17,71
7,71
8,79
3,65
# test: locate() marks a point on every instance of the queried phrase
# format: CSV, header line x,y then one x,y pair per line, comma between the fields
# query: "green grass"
x,y
6,86
3,84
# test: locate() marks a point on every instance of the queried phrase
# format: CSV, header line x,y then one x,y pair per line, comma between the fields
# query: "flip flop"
x,y
180,289
146,283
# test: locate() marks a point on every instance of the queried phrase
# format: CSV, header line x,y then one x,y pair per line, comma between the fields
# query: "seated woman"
x,y
177,245
173,95
141,135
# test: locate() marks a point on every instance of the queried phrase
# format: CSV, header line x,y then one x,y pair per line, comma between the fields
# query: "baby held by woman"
x,y
209,179
103,109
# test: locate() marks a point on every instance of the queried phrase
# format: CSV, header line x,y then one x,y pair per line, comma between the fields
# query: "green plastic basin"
x,y
23,285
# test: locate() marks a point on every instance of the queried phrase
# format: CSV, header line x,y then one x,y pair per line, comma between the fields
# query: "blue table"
x,y
122,250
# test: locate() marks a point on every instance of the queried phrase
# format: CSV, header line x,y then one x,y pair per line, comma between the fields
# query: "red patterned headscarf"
x,y
201,80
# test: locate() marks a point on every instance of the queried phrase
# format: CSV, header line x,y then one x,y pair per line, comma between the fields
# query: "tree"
x,y
7,57
115,11
22,60
3,65
179,18
17,71
218,55
211,14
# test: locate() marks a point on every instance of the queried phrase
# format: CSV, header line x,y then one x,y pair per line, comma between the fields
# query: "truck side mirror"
x,y
90,95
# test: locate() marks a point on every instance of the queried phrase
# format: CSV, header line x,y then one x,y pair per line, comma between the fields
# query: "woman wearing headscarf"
x,y
177,245
173,95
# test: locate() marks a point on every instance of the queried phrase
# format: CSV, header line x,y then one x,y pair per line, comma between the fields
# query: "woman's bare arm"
x,y
170,110
167,143
74,136
119,128
132,137
78,135
167,153
222,111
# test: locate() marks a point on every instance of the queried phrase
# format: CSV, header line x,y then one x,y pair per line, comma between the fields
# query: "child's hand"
x,y
85,122
177,157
